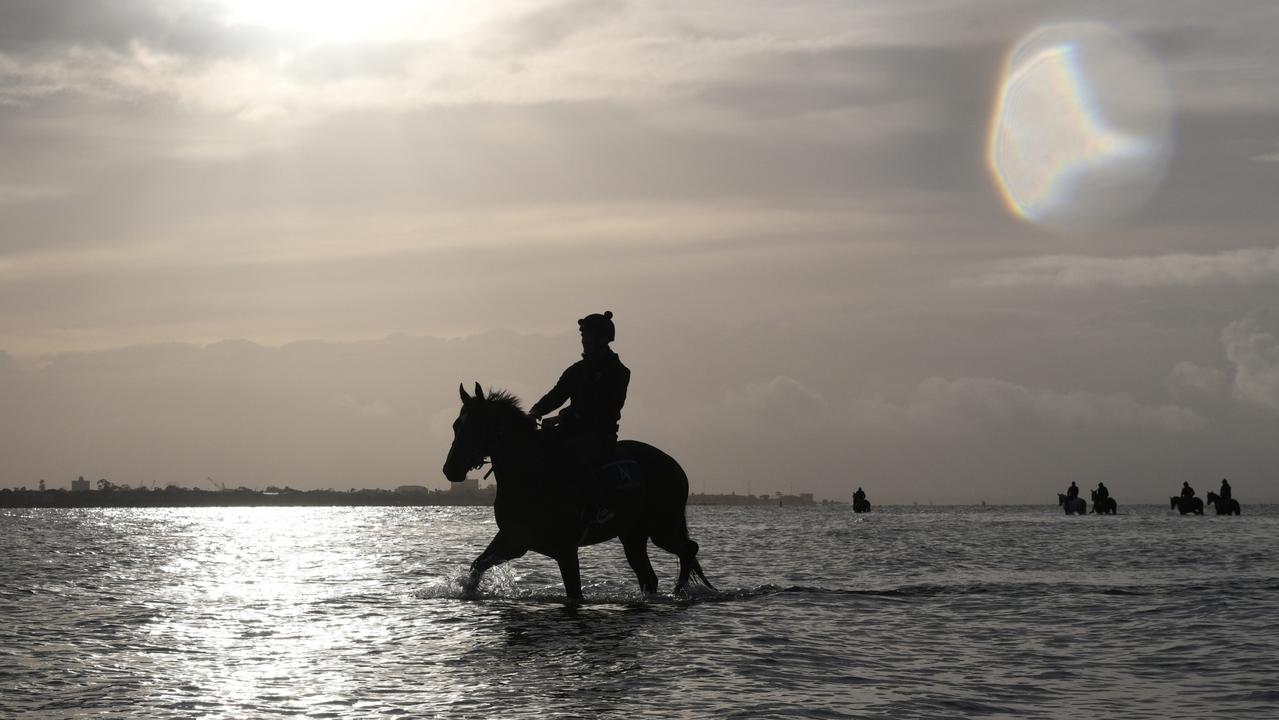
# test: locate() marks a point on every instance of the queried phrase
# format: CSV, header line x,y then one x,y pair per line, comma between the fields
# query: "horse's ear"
x,y
479,392
461,390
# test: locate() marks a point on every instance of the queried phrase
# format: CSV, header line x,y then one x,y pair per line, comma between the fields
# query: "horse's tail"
x,y
693,565
690,568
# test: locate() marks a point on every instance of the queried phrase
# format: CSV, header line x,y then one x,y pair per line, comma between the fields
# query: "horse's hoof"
x,y
470,589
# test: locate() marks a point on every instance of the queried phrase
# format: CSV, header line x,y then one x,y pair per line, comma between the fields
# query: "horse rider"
x,y
1187,492
1103,493
1225,490
595,388
1073,490
859,496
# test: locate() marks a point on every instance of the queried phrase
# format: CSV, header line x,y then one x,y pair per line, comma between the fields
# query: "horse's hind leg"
x,y
636,545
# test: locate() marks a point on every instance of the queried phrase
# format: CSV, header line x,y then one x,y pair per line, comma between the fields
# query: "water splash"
x,y
1081,131
504,583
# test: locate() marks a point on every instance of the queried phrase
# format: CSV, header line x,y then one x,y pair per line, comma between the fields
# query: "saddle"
x,y
620,472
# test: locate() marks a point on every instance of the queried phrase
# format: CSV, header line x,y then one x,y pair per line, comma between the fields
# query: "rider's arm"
x,y
622,382
556,397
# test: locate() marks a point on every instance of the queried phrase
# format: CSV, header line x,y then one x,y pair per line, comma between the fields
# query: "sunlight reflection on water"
x,y
357,612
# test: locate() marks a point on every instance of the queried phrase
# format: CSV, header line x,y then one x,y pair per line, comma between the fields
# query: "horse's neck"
x,y
517,461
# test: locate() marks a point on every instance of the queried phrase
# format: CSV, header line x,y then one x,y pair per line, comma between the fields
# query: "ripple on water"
x,y
359,612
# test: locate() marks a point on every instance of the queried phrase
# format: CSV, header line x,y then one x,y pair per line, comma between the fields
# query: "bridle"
x,y
492,437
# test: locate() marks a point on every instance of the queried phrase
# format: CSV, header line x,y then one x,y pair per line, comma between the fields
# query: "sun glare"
x,y
1081,132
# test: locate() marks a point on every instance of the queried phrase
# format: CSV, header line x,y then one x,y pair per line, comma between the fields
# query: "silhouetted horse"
x,y
1072,505
1186,506
1223,507
861,505
1104,506
539,505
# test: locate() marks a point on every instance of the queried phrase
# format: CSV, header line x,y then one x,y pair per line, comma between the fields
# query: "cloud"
x,y
971,399
15,194
1268,157
1235,267
781,401
1187,374
951,405
374,409
1255,355
548,27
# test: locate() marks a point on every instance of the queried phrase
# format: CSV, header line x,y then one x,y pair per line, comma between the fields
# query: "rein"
x,y
496,440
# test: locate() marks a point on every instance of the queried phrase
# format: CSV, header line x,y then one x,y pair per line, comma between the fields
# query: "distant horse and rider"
x,y
1071,502
1223,506
1223,503
1186,503
1102,503
571,483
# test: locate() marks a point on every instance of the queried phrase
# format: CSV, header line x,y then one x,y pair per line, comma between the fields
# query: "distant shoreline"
x,y
173,496
469,496
241,497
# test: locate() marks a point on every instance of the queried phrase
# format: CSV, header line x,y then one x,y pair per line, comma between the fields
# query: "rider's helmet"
x,y
597,324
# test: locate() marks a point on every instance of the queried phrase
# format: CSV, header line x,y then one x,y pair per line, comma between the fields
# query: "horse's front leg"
x,y
570,572
500,550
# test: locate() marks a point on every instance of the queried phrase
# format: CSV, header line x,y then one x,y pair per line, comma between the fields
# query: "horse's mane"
x,y
506,402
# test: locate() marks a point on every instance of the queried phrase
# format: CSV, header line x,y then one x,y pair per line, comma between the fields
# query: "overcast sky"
x,y
949,251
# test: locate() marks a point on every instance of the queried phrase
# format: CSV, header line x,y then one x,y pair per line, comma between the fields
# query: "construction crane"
x,y
216,484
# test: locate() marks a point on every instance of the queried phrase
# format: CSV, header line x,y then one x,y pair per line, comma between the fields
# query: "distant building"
x,y
469,485
800,499
411,489
80,485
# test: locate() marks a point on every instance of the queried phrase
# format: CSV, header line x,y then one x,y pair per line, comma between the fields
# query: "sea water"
x,y
819,613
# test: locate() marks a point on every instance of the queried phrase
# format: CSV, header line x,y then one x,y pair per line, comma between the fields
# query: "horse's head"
x,y
474,433
1212,497
483,427
1061,499
1172,501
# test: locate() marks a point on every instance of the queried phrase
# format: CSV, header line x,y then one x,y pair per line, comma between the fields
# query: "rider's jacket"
x,y
1187,491
596,386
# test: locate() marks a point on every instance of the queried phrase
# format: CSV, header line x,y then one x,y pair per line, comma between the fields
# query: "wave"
x,y
928,590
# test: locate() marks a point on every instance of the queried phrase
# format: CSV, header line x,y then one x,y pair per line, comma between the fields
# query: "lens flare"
x,y
1081,131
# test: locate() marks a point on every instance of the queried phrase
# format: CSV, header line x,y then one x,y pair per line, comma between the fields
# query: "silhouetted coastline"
x,y
241,497
174,496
